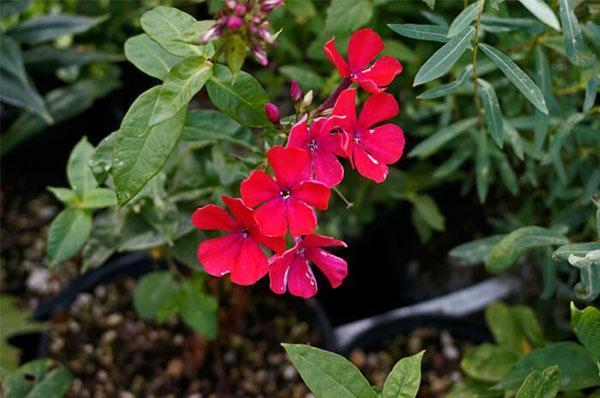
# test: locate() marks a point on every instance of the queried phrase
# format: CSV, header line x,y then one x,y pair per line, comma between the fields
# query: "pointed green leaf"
x,y
429,212
80,175
543,12
421,32
590,93
430,3
507,174
152,291
529,324
435,141
488,362
101,162
482,167
38,378
235,50
198,309
586,325
98,198
443,59
141,150
65,195
453,163
243,99
11,7
345,17
49,27
505,328
510,248
169,27
540,384
561,136
404,379
448,88
184,81
577,52
149,57
492,112
475,252
68,232
328,375
516,76
514,138
465,18
577,249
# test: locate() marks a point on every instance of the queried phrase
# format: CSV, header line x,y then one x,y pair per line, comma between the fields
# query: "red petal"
x,y
334,143
300,217
314,193
364,46
385,143
301,280
258,188
278,270
334,56
298,134
377,108
271,218
219,255
382,73
321,126
275,243
322,241
214,217
327,168
368,166
242,213
251,263
333,267
290,165
368,85
345,105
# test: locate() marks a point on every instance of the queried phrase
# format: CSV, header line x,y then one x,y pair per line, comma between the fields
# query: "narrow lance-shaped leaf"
x,y
475,252
465,18
561,136
516,76
181,84
482,167
443,59
543,12
149,57
453,163
514,138
590,93
67,234
435,141
49,27
141,150
576,50
492,112
421,32
328,374
448,88
404,379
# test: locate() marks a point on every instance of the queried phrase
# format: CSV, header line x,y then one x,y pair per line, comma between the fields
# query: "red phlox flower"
x,y
238,252
363,47
292,269
287,201
370,149
322,146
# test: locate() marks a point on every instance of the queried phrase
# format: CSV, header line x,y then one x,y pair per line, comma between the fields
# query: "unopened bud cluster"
x,y
248,18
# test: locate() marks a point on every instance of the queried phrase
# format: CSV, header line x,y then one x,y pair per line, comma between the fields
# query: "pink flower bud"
x,y
260,55
234,22
272,112
213,32
295,90
264,34
270,5
230,3
240,9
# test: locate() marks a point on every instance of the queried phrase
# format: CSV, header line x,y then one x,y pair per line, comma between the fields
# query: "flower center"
x,y
245,232
313,146
357,136
285,193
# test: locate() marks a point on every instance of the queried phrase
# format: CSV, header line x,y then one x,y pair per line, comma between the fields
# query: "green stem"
x,y
341,195
474,62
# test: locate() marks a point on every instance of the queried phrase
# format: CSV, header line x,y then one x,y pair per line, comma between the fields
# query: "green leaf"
x,y
48,58
68,232
543,12
243,99
469,388
11,7
448,88
577,249
540,384
514,138
39,378
307,78
169,27
516,76
529,324
328,375
149,57
235,50
586,325
465,18
482,167
495,24
492,112
475,252
184,249
488,362
140,150
107,231
101,162
510,248
49,27
98,198
16,88
63,103
505,328
65,195
430,3
404,379
345,17
590,93
434,142
79,174
576,50
429,211
453,163
443,59
421,32
577,369
15,320
544,78
206,125
152,291
198,309
560,137
507,174
184,81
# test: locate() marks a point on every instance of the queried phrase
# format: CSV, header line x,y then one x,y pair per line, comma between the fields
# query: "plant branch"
x,y
474,73
329,102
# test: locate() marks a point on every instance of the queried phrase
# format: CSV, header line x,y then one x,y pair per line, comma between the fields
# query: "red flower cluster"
x,y
303,173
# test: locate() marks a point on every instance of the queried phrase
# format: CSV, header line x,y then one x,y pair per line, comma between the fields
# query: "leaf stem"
x,y
341,195
474,62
